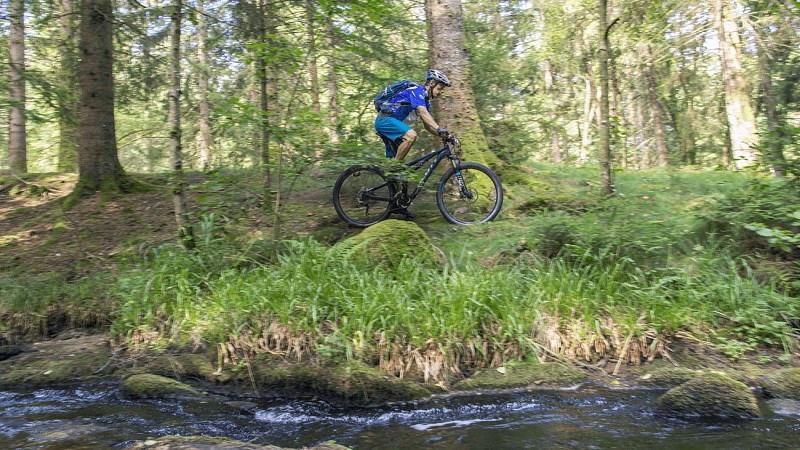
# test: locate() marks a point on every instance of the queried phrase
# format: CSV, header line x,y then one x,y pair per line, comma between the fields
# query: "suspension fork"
x,y
462,186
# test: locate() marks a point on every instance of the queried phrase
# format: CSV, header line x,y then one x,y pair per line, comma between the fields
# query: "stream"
x,y
89,417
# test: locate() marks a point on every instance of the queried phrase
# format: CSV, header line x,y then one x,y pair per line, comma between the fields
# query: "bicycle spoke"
x,y
362,196
478,200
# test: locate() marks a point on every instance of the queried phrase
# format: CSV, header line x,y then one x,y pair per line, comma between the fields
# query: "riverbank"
x,y
83,357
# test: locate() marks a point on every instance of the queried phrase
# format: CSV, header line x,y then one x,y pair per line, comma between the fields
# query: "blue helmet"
x,y
437,75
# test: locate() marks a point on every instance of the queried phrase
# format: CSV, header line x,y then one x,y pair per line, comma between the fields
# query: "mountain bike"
x,y
468,192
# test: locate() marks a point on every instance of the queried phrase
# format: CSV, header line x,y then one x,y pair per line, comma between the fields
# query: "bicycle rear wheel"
x,y
362,196
478,200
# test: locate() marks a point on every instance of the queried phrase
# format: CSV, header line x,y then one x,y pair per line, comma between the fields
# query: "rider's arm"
x,y
427,120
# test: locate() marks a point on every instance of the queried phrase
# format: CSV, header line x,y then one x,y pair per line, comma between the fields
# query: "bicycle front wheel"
x,y
478,199
362,196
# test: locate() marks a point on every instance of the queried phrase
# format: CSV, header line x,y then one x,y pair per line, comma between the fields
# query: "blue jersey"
x,y
415,96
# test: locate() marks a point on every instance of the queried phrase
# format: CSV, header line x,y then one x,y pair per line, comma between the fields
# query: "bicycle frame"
x,y
437,156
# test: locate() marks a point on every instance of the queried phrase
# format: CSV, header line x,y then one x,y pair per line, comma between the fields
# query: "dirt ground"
x,y
37,236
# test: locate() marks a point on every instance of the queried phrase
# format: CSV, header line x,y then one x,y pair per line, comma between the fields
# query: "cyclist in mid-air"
x,y
411,103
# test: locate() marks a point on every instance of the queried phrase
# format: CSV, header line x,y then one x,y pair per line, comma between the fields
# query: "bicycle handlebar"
x,y
452,141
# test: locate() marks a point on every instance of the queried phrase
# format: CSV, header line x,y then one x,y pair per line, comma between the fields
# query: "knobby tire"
x,y
362,196
484,187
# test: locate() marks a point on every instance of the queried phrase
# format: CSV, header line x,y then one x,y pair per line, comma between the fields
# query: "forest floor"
x,y
37,236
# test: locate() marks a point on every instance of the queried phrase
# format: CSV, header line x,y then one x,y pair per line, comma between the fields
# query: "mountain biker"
x,y
411,103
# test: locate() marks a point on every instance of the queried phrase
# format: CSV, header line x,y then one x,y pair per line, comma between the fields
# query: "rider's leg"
x,y
408,140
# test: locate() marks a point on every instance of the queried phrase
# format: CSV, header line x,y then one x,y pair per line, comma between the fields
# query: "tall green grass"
x,y
46,304
312,302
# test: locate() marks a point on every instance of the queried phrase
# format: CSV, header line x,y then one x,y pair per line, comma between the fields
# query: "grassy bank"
x,y
561,274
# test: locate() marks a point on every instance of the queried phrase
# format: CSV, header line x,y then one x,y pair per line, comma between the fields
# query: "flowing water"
x,y
95,417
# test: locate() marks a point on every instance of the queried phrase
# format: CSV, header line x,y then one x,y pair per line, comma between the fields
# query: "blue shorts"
x,y
392,129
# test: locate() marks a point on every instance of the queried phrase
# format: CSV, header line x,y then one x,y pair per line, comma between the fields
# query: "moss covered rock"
x,y
156,386
668,377
352,383
710,395
784,383
48,365
180,366
387,243
523,374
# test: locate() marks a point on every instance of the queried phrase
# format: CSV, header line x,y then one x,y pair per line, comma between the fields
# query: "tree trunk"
x,y
552,129
456,110
659,132
589,112
616,111
312,57
264,112
204,137
313,72
333,87
642,146
185,234
605,132
776,157
68,94
98,165
17,135
738,109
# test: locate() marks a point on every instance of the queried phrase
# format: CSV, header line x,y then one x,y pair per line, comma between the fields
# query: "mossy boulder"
x,y
351,383
180,366
710,395
387,243
155,386
523,374
668,377
45,367
783,383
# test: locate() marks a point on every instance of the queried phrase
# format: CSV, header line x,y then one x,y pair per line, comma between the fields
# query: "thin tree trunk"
x,y
689,134
589,112
263,79
204,136
312,57
616,111
738,109
659,132
313,71
185,234
643,149
605,132
333,87
98,165
776,157
552,130
456,110
68,94
17,135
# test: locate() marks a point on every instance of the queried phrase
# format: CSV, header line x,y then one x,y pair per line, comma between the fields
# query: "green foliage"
x,y
763,215
35,306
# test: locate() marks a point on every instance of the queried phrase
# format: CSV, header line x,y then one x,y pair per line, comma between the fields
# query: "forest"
x,y
707,84
178,159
